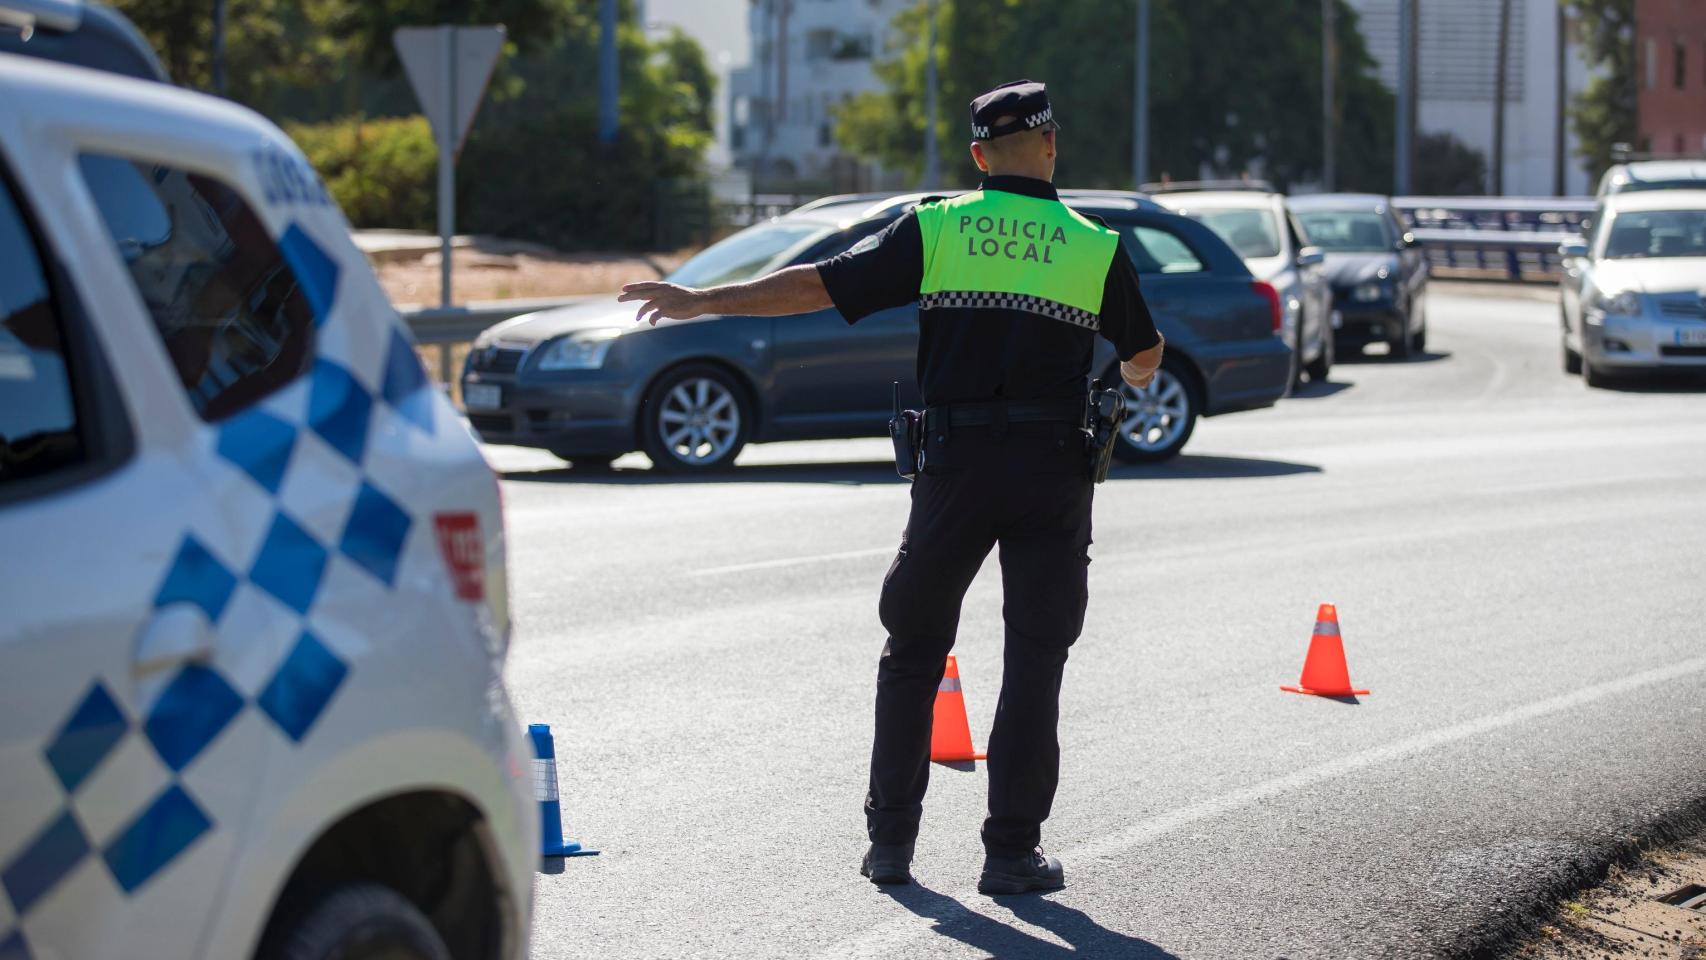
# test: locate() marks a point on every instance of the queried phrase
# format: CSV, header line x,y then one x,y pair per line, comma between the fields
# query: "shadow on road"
x,y
1084,937
1316,389
855,473
1679,382
1192,467
1426,356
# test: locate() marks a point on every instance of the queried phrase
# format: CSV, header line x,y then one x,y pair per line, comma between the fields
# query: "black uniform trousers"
x,y
1022,487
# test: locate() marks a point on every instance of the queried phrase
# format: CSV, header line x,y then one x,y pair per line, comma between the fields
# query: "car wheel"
x,y
695,419
1592,376
1160,417
1322,365
1400,344
362,921
1572,360
1295,372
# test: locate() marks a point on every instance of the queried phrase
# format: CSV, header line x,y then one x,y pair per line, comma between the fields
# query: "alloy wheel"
x,y
699,421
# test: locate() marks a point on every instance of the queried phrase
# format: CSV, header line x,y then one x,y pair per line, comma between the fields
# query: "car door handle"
x,y
177,634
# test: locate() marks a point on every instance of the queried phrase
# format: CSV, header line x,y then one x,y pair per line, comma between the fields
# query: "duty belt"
x,y
991,414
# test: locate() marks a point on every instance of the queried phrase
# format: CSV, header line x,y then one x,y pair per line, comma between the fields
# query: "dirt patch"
x,y
497,272
1626,917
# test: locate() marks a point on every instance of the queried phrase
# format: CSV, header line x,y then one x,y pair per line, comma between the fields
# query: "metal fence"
x,y
1508,238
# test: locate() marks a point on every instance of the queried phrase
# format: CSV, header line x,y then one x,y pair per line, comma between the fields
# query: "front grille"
x,y
491,423
1691,307
496,359
1682,351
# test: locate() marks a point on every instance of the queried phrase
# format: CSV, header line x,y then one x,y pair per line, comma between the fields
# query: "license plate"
x,y
1691,337
482,396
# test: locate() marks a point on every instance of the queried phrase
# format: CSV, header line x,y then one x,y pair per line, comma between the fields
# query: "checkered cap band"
x,y
1023,302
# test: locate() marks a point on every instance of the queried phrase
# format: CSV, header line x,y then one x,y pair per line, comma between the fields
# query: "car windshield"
x,y
1679,183
1251,232
747,254
1346,231
1657,233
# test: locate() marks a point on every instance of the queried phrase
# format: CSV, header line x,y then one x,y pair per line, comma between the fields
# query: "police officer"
x,y
1012,287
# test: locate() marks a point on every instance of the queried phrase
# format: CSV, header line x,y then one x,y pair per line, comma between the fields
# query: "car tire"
x,y
360,921
1572,360
1322,365
1400,345
695,419
1593,377
1295,370
1163,415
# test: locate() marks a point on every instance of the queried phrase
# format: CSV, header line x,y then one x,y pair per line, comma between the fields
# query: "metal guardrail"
x,y
1513,238
444,327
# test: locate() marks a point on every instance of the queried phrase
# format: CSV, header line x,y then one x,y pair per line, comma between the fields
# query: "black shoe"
x,y
888,863
1024,874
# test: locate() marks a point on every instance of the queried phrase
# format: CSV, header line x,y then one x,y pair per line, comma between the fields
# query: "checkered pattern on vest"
x,y
1024,302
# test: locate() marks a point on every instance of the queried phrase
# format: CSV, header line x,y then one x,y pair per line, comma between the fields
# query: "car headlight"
x,y
1625,304
584,350
1369,292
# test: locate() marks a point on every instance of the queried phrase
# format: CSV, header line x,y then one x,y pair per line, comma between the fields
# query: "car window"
x,y
747,254
1252,233
231,313
1155,250
39,431
1657,233
1347,231
842,242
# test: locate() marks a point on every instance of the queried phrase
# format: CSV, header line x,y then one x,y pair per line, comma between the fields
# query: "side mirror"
x,y
1311,257
1573,249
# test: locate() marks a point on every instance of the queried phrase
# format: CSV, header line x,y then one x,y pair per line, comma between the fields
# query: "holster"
x,y
1102,423
906,431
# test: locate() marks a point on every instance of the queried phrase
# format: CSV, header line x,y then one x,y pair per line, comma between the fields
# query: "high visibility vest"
x,y
991,249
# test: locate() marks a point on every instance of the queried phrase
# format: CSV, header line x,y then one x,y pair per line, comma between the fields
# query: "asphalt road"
x,y
1520,569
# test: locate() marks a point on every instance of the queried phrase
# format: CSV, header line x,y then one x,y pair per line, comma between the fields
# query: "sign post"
x,y
448,68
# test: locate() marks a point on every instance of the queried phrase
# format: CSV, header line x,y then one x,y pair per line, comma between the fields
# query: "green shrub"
x,y
381,172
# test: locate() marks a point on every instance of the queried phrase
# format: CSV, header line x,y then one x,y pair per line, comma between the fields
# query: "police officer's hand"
x,y
663,301
1137,377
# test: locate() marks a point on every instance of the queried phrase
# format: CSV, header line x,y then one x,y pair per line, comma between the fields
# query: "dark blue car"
x,y
588,384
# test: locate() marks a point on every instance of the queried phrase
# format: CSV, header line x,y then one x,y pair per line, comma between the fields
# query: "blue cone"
x,y
545,791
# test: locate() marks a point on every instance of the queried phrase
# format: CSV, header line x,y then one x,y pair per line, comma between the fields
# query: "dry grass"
x,y
488,274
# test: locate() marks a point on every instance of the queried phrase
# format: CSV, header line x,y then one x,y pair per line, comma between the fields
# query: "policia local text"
x,y
1028,232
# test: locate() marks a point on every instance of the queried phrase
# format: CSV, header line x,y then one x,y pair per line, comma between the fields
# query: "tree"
x,y
1606,112
267,42
1247,90
1448,167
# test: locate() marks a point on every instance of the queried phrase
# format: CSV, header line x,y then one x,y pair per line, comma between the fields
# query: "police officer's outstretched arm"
x,y
794,290
1127,323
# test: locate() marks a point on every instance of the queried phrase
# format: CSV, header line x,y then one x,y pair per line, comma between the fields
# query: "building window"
x,y
1652,66
1681,66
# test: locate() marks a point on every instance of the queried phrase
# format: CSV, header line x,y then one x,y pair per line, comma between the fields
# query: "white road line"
x,y
792,561
889,939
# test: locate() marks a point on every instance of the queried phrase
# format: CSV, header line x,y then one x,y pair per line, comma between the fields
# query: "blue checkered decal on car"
x,y
292,565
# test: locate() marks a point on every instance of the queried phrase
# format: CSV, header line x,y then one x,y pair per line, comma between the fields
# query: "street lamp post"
x,y
1140,105
1329,72
932,153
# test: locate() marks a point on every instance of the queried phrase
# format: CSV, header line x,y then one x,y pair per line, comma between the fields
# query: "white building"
x,y
1457,71
807,56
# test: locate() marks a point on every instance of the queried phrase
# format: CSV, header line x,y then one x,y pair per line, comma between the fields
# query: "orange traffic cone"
x,y
950,735
1324,671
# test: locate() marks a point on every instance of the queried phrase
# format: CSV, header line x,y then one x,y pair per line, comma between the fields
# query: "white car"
x,y
253,580
1633,296
1256,224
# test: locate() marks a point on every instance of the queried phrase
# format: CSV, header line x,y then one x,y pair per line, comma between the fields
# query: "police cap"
x,y
1011,108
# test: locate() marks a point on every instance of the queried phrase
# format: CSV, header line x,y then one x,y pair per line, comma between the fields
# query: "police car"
x,y
252,584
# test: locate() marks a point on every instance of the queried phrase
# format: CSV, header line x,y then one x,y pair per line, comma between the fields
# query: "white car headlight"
x,y
583,350
1625,304
1369,292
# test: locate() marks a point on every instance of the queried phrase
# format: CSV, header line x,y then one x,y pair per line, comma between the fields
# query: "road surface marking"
x,y
792,561
890,938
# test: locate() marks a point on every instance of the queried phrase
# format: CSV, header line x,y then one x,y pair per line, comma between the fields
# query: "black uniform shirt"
x,y
977,355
